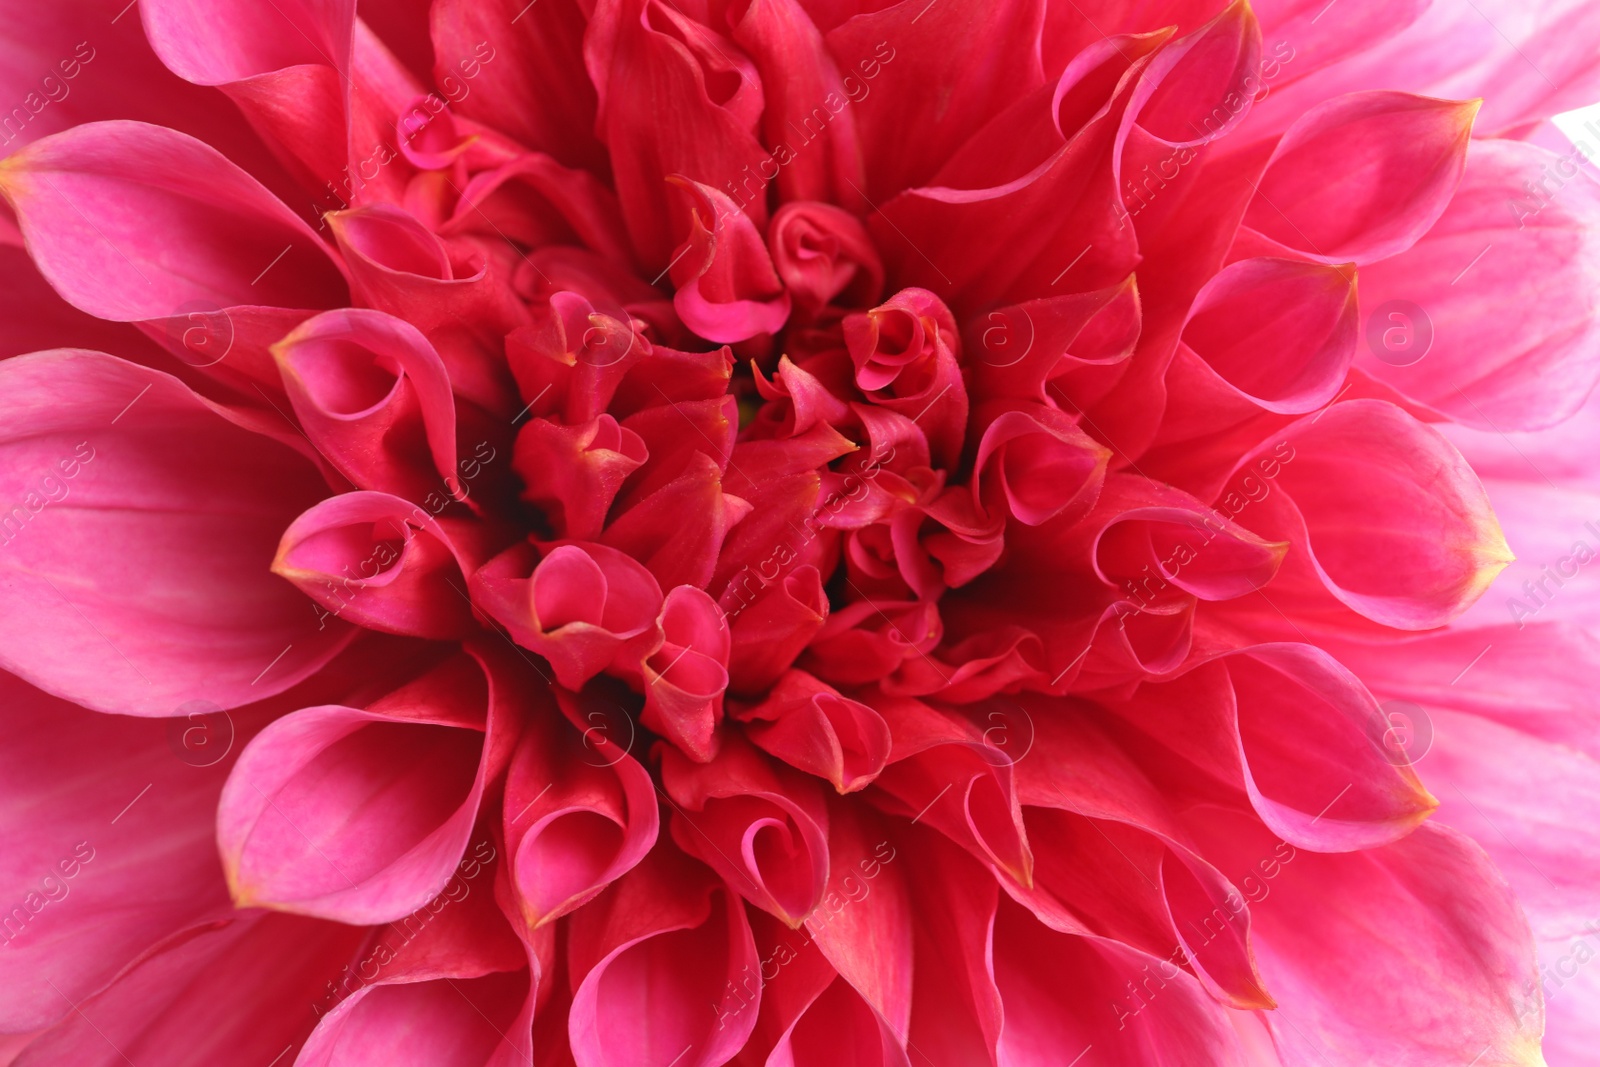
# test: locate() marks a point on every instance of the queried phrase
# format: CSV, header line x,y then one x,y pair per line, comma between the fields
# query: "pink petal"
x,y
1491,317
91,885
186,607
361,815
374,397
385,564
580,813
285,73
1398,158
205,996
225,241
649,957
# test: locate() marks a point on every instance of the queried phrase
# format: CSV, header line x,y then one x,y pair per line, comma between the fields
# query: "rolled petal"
x,y
685,678
1264,334
362,815
384,563
823,253
649,957
582,607
1039,464
763,828
375,398
1413,561
1245,719
771,632
809,725
580,813
727,289
573,473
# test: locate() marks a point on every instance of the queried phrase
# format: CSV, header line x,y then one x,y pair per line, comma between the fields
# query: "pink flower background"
x,y
790,532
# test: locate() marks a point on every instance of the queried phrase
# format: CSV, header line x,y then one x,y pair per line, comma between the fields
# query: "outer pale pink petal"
x,y
286,67
239,992
1396,158
1357,948
1536,679
138,540
1477,709
87,885
1528,62
1491,319
1534,806
1393,520
132,222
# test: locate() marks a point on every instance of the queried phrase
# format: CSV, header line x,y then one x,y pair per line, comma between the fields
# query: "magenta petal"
x,y
649,958
379,561
91,893
224,242
286,73
580,813
1400,156
1509,343
186,608
361,815
257,970
375,398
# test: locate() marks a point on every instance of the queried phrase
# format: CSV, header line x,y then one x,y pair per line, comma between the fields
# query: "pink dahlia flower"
x,y
639,533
